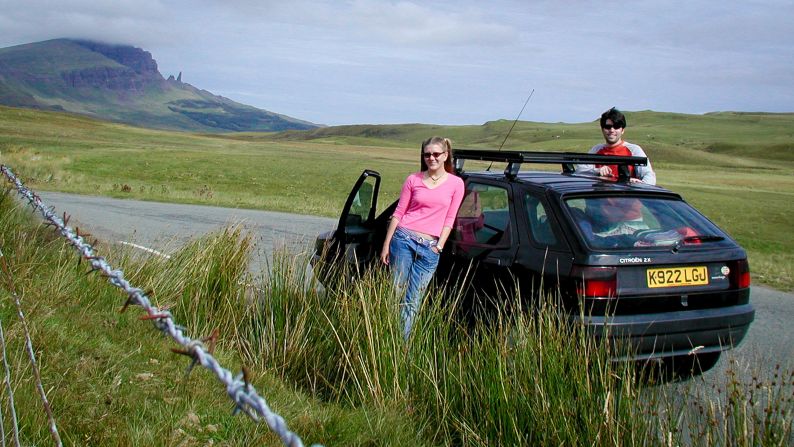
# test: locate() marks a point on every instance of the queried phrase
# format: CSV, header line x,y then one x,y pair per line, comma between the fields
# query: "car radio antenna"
x,y
514,124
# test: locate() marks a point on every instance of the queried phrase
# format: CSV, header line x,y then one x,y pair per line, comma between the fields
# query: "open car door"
x,y
355,233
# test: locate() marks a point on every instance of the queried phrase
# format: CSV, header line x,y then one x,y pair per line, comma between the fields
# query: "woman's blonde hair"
x,y
444,143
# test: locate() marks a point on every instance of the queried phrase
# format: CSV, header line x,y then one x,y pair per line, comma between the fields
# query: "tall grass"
x,y
112,380
334,362
528,378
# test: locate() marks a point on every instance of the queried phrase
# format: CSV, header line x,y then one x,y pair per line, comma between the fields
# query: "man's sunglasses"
x,y
432,154
611,126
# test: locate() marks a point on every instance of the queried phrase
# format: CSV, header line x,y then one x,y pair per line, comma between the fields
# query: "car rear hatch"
x,y
657,271
651,283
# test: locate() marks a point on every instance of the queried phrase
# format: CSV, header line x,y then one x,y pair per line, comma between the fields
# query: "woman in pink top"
x,y
421,224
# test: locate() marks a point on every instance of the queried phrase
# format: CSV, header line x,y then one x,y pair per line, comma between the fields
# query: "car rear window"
x,y
621,222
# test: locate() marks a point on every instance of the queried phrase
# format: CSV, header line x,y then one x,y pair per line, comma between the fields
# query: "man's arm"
x,y
589,169
644,173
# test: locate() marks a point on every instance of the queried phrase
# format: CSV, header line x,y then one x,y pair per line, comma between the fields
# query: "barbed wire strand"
x,y
12,408
238,387
2,418
31,354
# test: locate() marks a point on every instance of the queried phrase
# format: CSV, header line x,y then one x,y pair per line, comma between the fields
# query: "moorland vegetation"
x,y
736,168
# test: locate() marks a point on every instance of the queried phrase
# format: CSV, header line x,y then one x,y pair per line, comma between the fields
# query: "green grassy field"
x,y
738,169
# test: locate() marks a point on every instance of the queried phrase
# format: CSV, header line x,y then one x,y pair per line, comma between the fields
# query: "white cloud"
x,y
125,21
409,23
448,61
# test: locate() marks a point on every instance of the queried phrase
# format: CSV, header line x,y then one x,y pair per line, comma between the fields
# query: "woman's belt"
x,y
429,242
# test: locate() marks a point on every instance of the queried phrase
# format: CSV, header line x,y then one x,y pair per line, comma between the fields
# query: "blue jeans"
x,y
413,263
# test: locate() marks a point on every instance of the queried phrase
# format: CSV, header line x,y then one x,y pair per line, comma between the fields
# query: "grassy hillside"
x,y
121,83
665,136
736,168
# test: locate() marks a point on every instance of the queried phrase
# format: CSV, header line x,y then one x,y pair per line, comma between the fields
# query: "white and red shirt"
x,y
644,173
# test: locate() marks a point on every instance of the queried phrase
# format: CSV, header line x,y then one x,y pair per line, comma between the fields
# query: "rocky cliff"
x,y
135,58
137,69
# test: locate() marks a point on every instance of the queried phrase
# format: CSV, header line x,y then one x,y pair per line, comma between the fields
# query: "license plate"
x,y
677,276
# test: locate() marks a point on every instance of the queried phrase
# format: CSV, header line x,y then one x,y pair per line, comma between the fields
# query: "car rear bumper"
x,y
675,333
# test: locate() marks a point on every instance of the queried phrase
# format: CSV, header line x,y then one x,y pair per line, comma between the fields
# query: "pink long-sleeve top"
x,y
429,210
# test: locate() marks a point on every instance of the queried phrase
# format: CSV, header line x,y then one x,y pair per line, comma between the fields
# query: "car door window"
x,y
539,223
484,216
359,212
356,228
362,203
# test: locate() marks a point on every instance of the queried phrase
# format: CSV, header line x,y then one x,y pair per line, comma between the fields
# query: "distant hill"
x,y
121,83
666,137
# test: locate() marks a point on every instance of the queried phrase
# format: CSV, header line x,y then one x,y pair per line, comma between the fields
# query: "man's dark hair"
x,y
617,117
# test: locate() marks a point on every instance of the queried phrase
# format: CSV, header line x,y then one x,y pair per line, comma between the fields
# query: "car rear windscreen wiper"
x,y
702,238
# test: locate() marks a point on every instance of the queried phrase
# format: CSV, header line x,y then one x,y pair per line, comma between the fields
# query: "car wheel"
x,y
687,366
676,368
699,363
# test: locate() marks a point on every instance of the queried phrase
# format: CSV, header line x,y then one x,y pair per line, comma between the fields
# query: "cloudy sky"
x,y
448,62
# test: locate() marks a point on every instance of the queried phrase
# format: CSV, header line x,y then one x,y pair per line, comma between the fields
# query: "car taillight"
x,y
595,282
740,274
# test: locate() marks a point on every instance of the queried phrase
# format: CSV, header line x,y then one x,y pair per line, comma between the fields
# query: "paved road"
x,y
160,226
770,340
164,227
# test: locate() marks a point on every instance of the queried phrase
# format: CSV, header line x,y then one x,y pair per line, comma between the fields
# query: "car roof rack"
x,y
514,159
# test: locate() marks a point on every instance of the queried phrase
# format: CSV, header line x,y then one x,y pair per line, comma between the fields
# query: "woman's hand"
x,y
384,254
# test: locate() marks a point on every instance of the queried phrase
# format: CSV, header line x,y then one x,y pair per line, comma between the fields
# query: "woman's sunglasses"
x,y
432,154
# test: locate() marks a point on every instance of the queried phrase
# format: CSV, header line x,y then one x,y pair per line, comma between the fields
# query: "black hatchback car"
x,y
632,261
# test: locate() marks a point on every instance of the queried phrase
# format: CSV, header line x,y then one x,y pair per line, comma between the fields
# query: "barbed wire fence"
x,y
29,349
12,409
238,387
